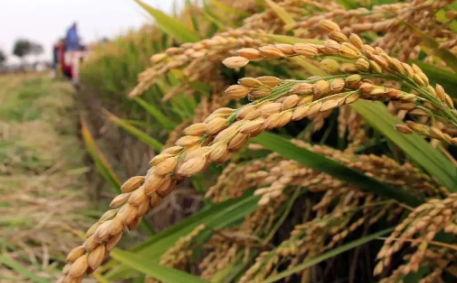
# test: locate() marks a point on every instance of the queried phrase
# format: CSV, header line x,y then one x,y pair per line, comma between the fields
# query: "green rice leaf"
x,y
201,87
291,39
142,136
220,13
212,19
308,66
332,253
319,162
348,4
21,269
151,268
193,17
228,9
139,279
282,14
100,277
156,113
441,16
170,25
421,152
99,159
415,277
214,216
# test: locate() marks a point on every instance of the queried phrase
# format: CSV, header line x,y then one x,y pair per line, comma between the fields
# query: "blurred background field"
x,y
45,196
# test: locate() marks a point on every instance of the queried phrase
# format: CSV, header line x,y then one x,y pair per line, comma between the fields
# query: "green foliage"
x,y
21,269
152,142
148,267
3,57
228,9
285,17
170,25
24,47
157,114
100,161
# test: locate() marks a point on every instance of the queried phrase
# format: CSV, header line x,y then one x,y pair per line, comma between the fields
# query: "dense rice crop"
x,y
355,180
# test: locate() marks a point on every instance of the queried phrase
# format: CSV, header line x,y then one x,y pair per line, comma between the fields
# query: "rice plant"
x,y
320,135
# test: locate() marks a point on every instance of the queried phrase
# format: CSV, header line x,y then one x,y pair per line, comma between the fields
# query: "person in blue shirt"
x,y
72,52
72,38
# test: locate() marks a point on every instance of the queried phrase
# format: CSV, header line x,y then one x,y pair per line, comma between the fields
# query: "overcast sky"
x,y
45,21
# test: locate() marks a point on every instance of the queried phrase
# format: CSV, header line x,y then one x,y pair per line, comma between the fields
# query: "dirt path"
x,y
43,191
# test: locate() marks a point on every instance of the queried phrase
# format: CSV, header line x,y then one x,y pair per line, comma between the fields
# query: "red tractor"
x,y
68,63
64,65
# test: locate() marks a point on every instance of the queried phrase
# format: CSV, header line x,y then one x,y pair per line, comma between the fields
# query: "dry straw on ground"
x,y
44,197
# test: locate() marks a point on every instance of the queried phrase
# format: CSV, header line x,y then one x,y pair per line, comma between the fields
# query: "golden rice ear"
x,y
192,166
329,26
269,80
166,166
269,108
79,267
138,197
96,257
218,151
237,91
116,226
249,53
235,62
119,200
305,49
132,184
197,129
271,51
113,241
76,253
216,125
337,85
127,213
321,88
249,82
290,102
302,88
167,187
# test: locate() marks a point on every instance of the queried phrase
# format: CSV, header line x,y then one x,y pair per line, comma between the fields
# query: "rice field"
x,y
289,141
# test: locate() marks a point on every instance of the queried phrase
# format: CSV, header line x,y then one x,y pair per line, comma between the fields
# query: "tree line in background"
x,y
21,48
